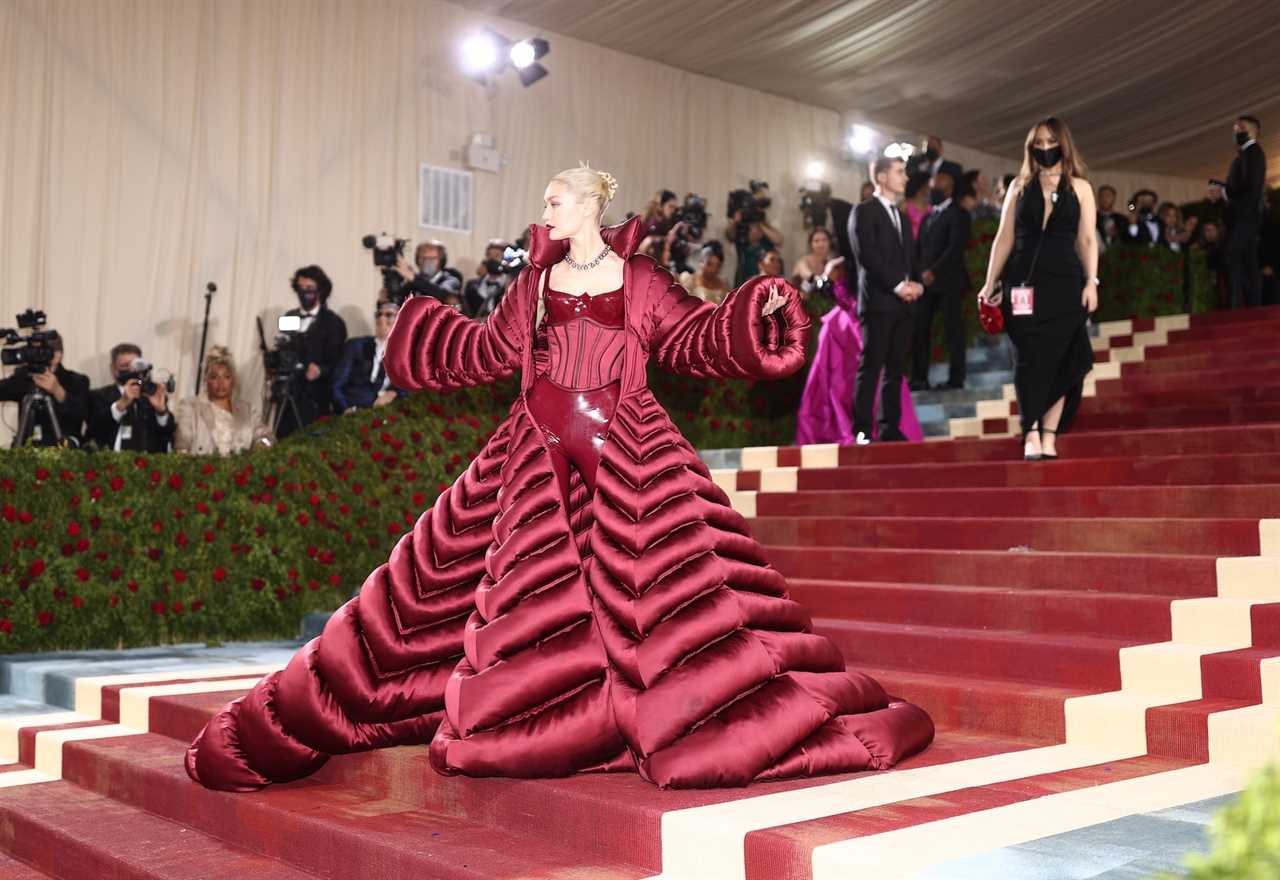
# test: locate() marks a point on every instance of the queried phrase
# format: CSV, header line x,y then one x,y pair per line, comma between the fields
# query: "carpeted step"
x,y
1180,470
319,823
1147,574
1254,393
1230,413
1069,661
1192,502
1029,612
1204,361
1235,675
12,869
1220,537
1181,730
74,834
1261,339
767,849
1175,381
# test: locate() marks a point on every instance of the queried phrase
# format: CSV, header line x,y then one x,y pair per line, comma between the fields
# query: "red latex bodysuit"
x,y
579,373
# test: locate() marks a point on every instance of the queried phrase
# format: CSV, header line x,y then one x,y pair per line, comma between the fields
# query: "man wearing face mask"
x,y
1243,191
931,163
943,238
433,277
121,416
323,337
1144,226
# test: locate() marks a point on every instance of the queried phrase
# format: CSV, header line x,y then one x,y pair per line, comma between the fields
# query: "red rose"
x,y
24,517
197,605
117,483
127,513
177,607
218,495
36,568
181,540
179,575
77,602
313,551
281,507
219,574
303,519
73,529
44,618
6,625
209,536
95,493
207,469
82,545
282,593
175,481
257,583
10,513
202,507
115,573
113,600
133,586
82,574
153,553
140,463
159,608
42,474
156,477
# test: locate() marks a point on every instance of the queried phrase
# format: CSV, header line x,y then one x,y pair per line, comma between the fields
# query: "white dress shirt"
x,y
162,419
307,318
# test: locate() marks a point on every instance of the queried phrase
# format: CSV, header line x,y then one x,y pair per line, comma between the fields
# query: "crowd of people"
x,y
927,201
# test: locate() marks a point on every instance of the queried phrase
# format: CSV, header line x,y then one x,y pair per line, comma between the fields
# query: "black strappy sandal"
x,y
1027,456
1044,455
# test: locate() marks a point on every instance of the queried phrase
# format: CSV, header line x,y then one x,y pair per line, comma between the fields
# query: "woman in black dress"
x,y
1045,257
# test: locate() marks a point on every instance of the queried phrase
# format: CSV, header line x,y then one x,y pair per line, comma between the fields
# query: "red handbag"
x,y
991,317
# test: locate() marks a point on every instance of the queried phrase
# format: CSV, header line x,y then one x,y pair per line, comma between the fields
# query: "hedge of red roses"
x,y
116,550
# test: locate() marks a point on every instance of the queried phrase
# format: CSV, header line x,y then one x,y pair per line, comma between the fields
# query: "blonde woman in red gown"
x,y
583,598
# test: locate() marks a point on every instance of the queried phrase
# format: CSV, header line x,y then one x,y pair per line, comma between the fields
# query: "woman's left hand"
x,y
777,299
1090,297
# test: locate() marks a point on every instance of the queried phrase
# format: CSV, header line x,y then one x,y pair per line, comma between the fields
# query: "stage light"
x,y
481,53
526,52
815,170
531,73
861,140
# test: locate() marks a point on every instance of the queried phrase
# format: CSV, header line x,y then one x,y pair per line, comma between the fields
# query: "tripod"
x,y
35,399
282,401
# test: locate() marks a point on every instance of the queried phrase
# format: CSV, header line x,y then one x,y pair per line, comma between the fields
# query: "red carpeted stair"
x,y
987,589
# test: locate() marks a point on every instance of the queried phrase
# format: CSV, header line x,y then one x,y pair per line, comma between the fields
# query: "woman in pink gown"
x,y
826,408
583,598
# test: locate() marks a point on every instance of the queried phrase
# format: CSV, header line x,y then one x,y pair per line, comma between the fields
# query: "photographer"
x,y
1144,226
360,380
484,292
133,414
68,390
433,276
749,229
660,213
323,334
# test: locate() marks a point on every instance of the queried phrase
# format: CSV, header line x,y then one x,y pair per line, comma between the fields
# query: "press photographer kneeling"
x,y
132,414
53,400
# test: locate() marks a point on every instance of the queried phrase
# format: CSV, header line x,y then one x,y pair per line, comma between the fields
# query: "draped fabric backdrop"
x,y
151,146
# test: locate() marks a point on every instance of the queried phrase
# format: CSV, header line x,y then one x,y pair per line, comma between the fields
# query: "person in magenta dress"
x,y
826,407
583,598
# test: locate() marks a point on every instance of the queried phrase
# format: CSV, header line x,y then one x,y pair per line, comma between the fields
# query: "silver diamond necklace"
x,y
582,267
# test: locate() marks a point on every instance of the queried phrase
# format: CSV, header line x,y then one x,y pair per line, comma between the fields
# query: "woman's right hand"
x,y
990,295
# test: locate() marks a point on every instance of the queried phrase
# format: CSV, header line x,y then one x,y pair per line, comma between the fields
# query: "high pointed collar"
x,y
624,238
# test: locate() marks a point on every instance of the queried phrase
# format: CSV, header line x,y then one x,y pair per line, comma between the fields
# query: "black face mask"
x,y
1242,138
937,196
307,299
1047,158
931,154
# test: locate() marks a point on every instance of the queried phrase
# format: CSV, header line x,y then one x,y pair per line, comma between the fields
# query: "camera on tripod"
x,y
31,352
285,356
387,251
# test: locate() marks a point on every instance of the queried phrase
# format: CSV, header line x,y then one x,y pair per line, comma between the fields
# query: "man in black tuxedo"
x,y
360,381
944,234
323,337
1244,192
1144,225
1110,223
68,390
931,162
882,243
122,417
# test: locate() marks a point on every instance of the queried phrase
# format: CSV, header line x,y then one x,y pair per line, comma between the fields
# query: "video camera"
x,y
815,203
285,357
31,352
690,224
387,251
753,202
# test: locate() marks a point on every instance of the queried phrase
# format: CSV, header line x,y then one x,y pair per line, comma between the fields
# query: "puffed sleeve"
x,y
692,337
435,346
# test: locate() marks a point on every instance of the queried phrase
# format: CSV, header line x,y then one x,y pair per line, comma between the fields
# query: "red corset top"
x,y
585,337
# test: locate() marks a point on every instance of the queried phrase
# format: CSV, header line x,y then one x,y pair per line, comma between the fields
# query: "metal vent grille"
x,y
444,198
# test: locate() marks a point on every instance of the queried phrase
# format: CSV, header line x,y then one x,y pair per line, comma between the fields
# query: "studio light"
x,y
815,170
526,52
486,53
862,140
899,150
481,53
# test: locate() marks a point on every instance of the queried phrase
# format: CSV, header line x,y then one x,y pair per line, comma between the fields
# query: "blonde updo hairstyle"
x,y
219,356
589,185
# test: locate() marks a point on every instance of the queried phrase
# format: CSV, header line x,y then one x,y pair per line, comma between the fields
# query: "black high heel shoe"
x,y
1028,456
1044,455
